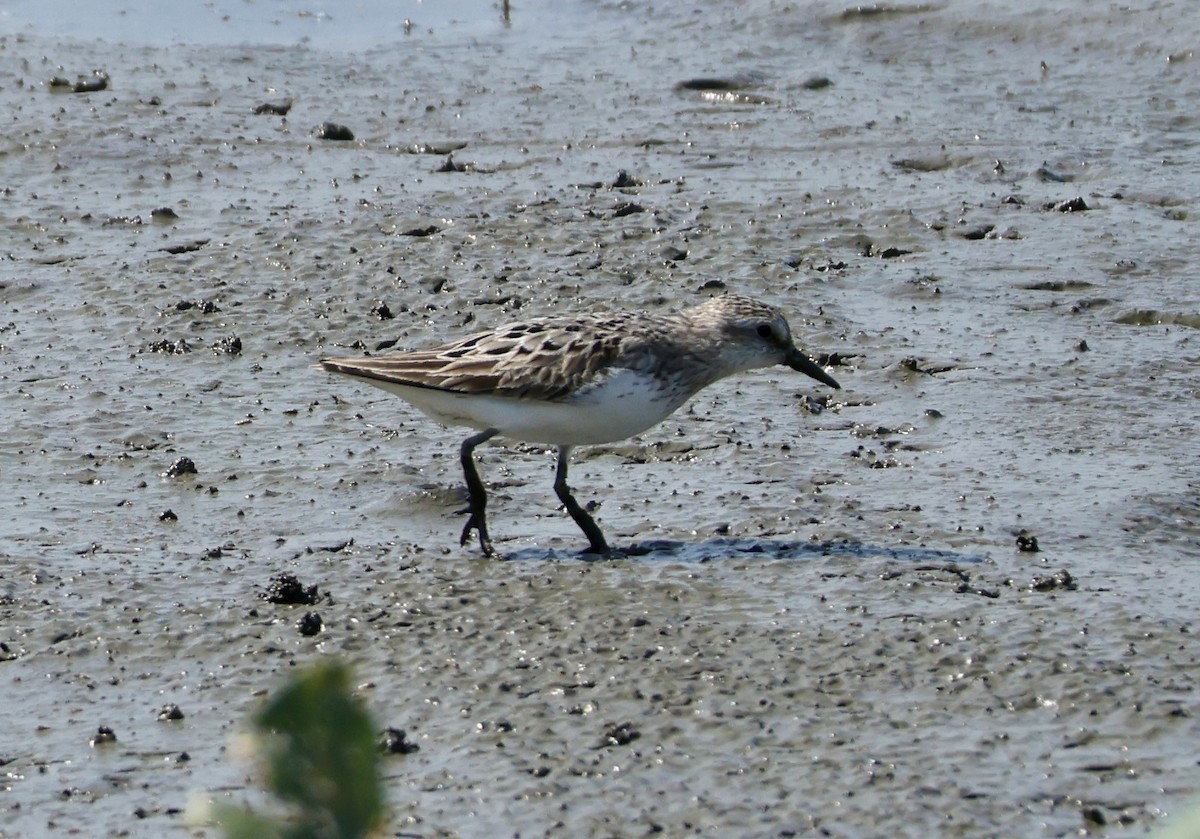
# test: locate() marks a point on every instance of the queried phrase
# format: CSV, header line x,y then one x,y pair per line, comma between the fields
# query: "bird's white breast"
x,y
621,404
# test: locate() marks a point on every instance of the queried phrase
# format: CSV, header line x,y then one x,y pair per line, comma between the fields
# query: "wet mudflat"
x,y
955,598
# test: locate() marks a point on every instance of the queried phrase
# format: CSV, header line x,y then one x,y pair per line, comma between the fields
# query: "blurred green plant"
x,y
320,760
1185,826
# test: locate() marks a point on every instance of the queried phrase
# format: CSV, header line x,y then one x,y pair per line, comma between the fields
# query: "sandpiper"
x,y
578,380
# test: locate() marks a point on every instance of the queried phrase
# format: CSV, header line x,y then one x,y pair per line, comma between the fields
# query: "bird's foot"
x,y
479,524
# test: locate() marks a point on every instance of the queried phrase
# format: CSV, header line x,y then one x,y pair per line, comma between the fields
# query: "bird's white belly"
x,y
624,404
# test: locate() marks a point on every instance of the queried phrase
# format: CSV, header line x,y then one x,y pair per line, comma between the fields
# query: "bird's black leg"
x,y
476,494
585,522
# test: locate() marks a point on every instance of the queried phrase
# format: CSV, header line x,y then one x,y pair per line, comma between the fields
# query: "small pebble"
x,y
618,734
104,735
333,131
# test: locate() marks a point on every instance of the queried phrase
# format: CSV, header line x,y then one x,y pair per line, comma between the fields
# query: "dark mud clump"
x,y
278,109
624,181
182,466
170,712
97,81
421,232
1071,205
286,589
617,734
311,624
169,347
382,311
1061,580
230,345
206,307
1027,543
394,741
104,736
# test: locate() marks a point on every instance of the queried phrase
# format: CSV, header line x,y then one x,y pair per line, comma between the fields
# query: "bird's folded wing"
x,y
552,367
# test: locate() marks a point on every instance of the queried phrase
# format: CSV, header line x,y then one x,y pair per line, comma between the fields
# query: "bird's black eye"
x,y
764,330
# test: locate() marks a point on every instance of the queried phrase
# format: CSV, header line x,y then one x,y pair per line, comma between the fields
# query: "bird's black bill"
x,y
801,363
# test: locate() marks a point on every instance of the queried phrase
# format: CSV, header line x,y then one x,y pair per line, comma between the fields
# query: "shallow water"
x,y
831,627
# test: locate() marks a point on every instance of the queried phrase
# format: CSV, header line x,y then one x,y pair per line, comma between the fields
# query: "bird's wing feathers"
x,y
550,359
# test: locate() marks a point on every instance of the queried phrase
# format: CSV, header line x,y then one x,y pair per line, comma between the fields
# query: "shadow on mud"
x,y
714,550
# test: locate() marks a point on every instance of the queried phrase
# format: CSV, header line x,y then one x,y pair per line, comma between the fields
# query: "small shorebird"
x,y
579,380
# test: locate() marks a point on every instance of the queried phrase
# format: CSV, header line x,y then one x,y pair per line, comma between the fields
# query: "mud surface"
x,y
837,622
